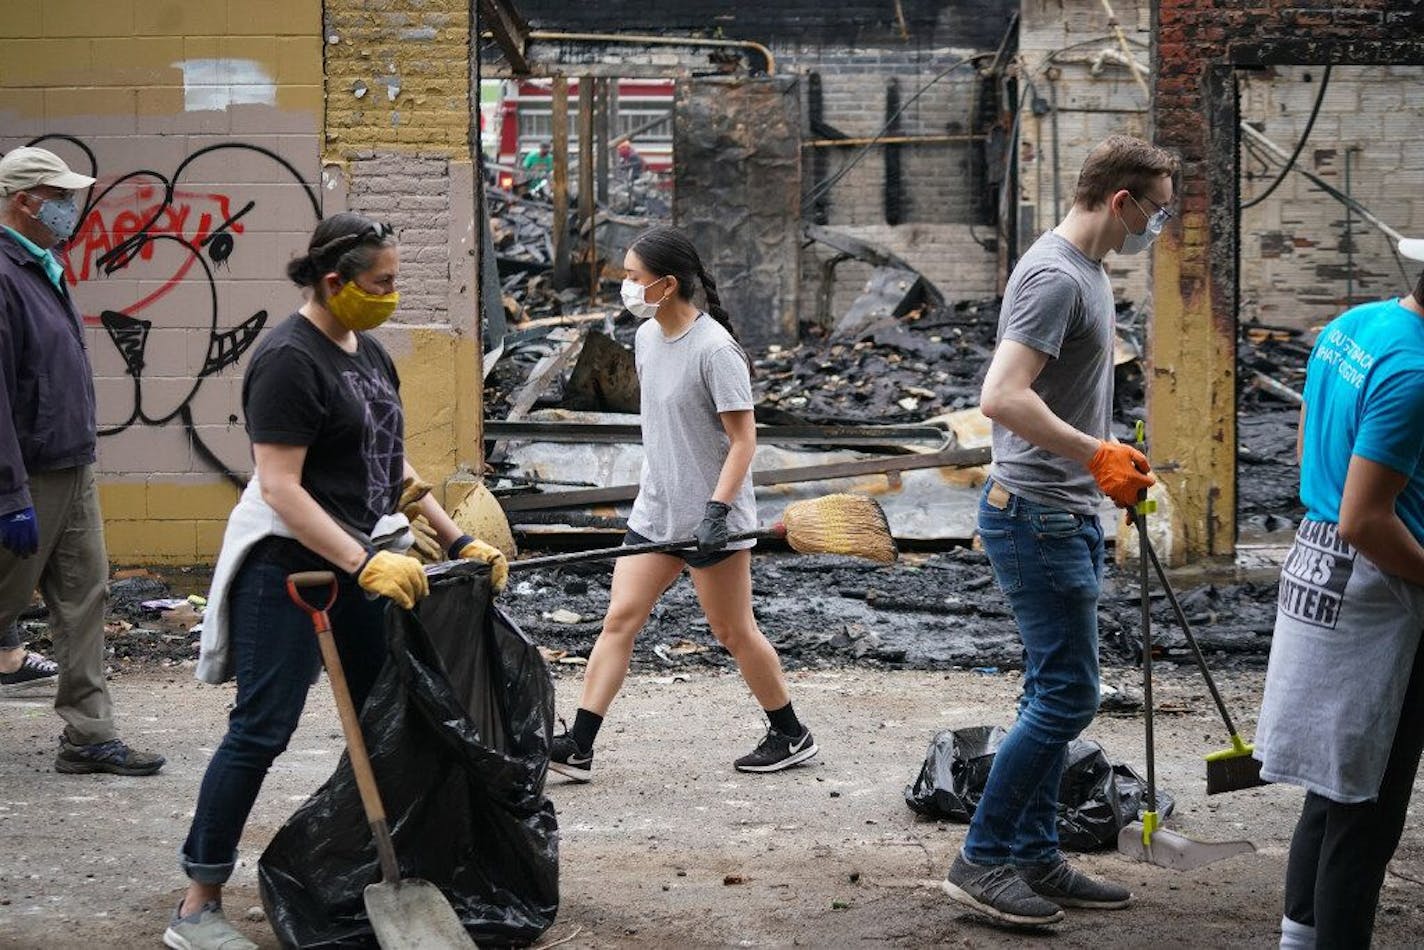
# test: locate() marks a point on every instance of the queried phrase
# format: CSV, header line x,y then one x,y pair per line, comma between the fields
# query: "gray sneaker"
x,y
208,929
113,757
1067,886
997,891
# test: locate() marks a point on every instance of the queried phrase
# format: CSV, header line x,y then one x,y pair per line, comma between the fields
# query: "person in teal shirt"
x,y
1342,713
538,166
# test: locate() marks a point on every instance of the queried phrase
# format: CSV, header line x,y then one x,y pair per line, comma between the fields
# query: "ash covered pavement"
x,y
927,612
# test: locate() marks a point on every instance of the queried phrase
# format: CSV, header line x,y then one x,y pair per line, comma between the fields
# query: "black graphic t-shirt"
x,y
303,389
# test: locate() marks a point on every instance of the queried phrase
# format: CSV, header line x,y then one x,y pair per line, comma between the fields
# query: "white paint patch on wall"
x,y
215,84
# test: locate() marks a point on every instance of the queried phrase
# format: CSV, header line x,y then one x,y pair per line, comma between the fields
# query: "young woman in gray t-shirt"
x,y
699,436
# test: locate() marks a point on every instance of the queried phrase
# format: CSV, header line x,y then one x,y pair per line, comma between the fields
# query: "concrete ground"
x,y
669,846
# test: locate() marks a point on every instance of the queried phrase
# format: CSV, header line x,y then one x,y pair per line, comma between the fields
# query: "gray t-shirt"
x,y
1059,302
685,382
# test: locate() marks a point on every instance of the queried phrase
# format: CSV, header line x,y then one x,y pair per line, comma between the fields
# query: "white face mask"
x,y
635,299
1137,243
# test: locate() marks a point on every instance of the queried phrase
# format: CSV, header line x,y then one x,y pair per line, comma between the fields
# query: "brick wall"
x,y
1200,46
397,146
397,76
223,100
941,181
412,193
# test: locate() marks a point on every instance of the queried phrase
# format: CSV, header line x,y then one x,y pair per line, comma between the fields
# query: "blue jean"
x,y
1049,564
275,659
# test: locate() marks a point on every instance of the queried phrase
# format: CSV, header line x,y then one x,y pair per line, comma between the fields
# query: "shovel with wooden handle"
x,y
409,913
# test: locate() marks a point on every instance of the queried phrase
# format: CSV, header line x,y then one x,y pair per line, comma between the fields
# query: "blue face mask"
x,y
60,215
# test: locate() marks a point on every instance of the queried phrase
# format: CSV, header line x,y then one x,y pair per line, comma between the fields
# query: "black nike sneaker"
x,y
778,751
566,758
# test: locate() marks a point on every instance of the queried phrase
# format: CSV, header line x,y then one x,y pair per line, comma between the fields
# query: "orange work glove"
x,y
1121,471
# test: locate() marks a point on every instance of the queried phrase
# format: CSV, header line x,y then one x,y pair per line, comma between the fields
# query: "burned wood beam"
x,y
509,29
585,178
947,458
569,342
562,263
629,433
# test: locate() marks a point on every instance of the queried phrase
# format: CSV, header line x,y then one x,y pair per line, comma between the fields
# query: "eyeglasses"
x,y
1158,219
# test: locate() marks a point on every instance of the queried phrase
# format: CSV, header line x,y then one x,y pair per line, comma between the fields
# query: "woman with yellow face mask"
x,y
322,404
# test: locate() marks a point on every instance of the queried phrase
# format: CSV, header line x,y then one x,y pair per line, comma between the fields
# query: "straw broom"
x,y
853,525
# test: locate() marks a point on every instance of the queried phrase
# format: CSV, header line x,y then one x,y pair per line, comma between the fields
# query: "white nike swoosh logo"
x,y
798,744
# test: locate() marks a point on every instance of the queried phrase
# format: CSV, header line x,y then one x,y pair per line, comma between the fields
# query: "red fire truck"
x,y
522,117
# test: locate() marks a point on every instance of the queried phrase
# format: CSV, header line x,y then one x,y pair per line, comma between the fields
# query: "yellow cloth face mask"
x,y
356,309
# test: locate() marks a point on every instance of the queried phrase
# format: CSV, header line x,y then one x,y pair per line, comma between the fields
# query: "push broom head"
x,y
840,524
1233,769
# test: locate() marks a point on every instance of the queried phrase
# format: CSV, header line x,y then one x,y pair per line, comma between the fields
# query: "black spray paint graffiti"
x,y
127,227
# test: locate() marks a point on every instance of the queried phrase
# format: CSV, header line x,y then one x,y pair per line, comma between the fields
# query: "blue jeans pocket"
x,y
1003,556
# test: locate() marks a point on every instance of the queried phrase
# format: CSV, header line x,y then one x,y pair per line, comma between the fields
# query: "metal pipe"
x,y
637,39
892,140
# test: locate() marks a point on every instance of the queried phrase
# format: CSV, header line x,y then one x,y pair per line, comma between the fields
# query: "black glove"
x,y
711,534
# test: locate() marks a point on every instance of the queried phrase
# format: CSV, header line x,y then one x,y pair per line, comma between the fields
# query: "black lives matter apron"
x,y
1343,647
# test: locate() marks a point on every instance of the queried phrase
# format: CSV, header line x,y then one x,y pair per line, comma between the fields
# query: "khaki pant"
x,y
71,570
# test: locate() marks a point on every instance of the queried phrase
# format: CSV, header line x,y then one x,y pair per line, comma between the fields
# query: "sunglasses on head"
x,y
375,233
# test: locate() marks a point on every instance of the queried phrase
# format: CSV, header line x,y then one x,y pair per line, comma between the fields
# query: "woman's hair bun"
x,y
302,271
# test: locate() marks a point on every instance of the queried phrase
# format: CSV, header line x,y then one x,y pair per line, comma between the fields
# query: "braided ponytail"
x,y
717,312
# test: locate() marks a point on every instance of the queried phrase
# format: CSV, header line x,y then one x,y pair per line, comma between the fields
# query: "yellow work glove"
x,y
412,491
467,548
397,576
427,545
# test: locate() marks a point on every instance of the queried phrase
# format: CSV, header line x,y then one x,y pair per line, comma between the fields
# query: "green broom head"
x,y
854,525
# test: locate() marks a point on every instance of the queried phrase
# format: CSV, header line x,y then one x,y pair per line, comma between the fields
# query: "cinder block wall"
x,y
1073,61
1296,269
226,100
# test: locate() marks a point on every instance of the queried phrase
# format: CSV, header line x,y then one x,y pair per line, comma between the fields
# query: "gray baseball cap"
x,y
28,166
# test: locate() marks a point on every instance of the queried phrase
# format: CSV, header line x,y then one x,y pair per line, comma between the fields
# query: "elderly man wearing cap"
x,y
1343,711
51,533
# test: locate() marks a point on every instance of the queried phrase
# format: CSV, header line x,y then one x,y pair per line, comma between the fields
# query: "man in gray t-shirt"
x,y
1048,392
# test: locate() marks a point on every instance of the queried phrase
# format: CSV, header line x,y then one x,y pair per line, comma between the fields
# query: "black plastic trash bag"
x,y
1096,797
458,728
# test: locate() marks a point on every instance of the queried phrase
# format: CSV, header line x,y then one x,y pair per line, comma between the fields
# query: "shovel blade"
x,y
1174,851
413,915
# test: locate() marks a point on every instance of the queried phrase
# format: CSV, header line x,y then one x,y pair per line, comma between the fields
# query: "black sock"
x,y
784,721
585,729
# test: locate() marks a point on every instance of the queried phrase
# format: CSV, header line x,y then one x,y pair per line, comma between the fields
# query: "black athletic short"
x,y
689,555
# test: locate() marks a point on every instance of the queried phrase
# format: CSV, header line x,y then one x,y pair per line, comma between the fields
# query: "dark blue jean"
x,y
275,659
1049,563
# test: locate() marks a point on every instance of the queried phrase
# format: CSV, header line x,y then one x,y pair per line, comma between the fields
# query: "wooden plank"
x,y
585,178
562,272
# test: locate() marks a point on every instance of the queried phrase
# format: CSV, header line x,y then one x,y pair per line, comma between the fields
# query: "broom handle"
x,y
1141,521
1143,548
1191,639
652,547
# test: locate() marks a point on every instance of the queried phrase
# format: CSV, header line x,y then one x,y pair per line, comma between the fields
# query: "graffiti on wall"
x,y
165,241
